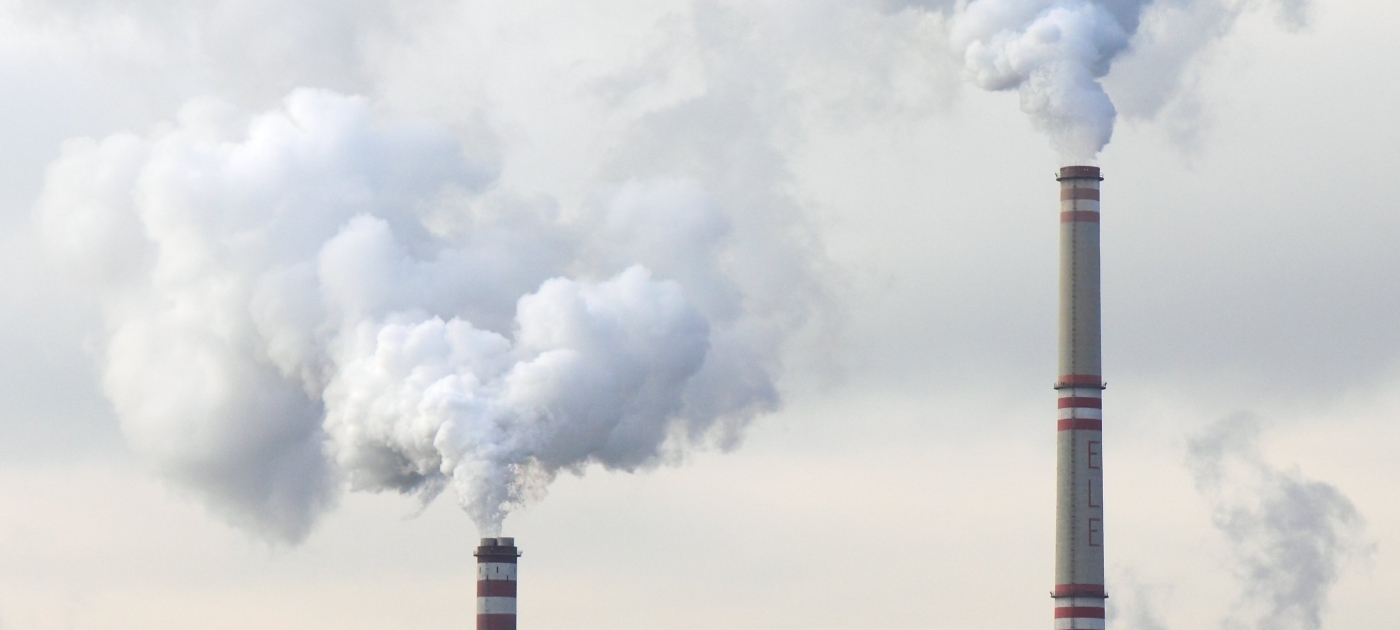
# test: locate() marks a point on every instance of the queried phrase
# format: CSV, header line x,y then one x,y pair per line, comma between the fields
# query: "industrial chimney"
x,y
1079,582
495,584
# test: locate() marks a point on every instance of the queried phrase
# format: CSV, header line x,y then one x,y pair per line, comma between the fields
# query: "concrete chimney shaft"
x,y
496,560
1079,530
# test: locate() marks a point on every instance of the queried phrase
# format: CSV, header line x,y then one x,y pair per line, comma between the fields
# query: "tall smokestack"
x,y
1079,584
495,584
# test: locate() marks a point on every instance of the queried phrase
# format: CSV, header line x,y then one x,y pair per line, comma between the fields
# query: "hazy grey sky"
x,y
855,222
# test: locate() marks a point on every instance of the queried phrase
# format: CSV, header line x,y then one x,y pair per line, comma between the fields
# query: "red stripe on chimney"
x,y
495,588
1081,424
1080,612
1069,402
495,622
1079,216
1079,590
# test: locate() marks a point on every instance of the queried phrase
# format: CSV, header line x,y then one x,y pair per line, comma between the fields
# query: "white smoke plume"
x,y
1291,537
1055,53
318,299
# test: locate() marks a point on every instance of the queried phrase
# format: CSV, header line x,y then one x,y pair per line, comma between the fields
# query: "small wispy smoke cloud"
x,y
1290,537
1135,605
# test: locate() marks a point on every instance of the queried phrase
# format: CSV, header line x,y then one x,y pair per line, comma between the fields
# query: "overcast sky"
x,y
887,251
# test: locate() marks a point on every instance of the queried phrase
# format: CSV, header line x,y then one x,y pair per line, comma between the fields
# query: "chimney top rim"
x,y
1079,172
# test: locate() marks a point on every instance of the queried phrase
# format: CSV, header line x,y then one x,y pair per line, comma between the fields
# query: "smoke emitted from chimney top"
x,y
1054,53
320,299
1291,537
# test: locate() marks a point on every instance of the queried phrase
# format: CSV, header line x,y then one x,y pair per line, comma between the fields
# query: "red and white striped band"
x,y
1082,614
1067,194
1079,606
496,565
1081,409
1083,216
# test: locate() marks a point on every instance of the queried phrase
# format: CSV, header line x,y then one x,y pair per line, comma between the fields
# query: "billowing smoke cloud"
x,y
1055,52
316,299
1290,536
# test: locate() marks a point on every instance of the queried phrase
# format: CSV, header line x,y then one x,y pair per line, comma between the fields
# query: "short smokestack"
x,y
1079,532
496,560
